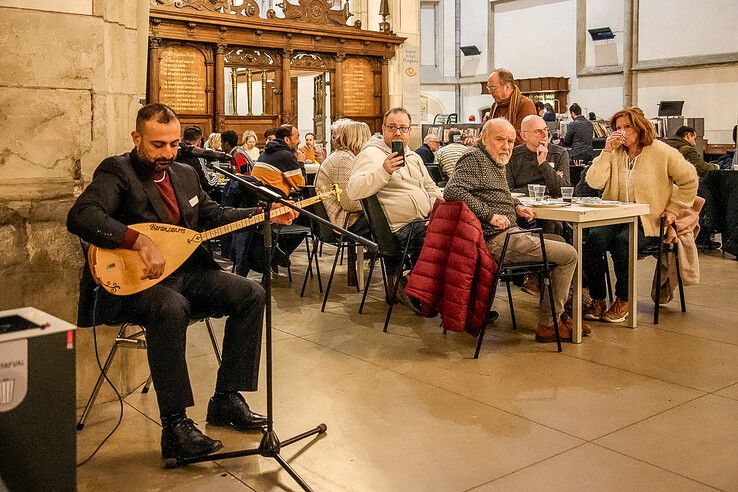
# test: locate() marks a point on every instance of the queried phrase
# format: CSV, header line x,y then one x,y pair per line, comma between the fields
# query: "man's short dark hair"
x,y
283,132
161,112
539,105
392,111
192,134
270,131
683,131
309,133
230,137
575,109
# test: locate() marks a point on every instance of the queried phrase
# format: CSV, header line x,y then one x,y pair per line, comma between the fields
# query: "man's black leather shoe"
x,y
181,439
231,409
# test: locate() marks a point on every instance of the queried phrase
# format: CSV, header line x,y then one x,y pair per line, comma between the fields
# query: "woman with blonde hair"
x,y
249,144
349,137
213,142
634,167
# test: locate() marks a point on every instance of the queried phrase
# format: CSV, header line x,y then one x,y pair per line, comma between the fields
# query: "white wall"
x,y
522,41
306,105
687,28
708,93
441,99
605,13
474,32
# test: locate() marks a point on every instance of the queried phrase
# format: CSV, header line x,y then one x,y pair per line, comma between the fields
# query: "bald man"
x,y
509,102
479,180
531,161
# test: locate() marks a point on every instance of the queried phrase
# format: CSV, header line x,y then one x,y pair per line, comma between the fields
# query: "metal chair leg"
x,y
656,308
393,301
368,280
100,379
512,307
308,270
330,278
147,385
213,340
679,279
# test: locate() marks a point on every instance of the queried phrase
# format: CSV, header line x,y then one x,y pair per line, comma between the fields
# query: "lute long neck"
x,y
240,224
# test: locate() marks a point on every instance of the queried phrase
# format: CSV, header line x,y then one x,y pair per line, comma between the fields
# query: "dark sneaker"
x,y
617,312
531,285
181,439
232,410
407,300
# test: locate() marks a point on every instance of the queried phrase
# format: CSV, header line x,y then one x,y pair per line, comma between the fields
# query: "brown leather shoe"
x,y
569,322
617,312
545,333
595,310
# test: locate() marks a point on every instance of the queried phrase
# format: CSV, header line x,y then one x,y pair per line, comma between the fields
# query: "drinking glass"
x,y
567,192
532,190
540,191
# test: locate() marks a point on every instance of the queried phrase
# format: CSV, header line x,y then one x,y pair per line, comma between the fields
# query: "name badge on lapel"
x,y
194,201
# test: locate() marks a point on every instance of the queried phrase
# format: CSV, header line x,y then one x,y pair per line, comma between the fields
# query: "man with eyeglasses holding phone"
x,y
388,168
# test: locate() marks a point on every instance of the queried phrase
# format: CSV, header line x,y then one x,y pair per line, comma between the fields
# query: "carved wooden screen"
x,y
358,88
183,79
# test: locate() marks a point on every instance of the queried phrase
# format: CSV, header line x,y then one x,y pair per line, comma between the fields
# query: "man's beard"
x,y
149,167
501,159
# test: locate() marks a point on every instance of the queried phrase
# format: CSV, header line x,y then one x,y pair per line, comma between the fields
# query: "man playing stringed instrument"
x,y
146,185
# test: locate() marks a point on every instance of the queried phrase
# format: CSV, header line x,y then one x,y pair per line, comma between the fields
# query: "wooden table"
x,y
580,217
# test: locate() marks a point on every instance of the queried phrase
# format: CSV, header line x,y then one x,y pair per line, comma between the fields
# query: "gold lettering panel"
x,y
183,79
358,88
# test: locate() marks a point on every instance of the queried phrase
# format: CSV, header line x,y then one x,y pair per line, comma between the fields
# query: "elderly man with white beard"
x,y
480,181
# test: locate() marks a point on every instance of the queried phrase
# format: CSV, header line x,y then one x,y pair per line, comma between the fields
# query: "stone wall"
x,y
73,77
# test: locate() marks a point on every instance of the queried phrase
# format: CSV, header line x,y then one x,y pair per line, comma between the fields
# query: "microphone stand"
x,y
270,444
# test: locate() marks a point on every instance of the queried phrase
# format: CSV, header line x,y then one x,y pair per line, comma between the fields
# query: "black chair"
x,y
507,271
322,234
436,173
387,247
659,251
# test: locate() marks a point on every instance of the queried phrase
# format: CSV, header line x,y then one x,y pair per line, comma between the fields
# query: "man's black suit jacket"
x,y
119,196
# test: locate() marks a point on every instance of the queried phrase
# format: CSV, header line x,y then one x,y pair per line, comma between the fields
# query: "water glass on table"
x,y
532,190
540,192
567,192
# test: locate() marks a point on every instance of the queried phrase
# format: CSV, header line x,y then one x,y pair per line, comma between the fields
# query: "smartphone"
x,y
399,147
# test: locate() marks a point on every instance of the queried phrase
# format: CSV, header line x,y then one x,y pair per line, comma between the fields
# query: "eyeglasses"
x,y
492,88
401,129
540,131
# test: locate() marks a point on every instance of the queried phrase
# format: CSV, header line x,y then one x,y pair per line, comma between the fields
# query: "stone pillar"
x,y
337,87
69,100
220,88
287,115
154,58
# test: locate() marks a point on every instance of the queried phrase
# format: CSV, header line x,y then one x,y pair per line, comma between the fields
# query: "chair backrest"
x,y
435,172
380,229
320,230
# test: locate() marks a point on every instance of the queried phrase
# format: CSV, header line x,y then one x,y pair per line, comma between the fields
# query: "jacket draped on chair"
x,y
455,272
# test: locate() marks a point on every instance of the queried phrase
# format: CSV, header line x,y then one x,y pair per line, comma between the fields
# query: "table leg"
x,y
360,266
632,263
577,287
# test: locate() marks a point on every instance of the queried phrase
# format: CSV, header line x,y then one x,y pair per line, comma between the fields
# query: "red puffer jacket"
x,y
455,271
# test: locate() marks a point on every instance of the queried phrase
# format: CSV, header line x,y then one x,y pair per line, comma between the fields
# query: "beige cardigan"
x,y
658,168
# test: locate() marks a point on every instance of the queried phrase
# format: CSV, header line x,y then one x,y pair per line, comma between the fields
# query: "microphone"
x,y
210,155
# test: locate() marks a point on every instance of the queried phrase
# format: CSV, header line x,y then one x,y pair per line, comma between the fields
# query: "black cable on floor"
x,y
105,375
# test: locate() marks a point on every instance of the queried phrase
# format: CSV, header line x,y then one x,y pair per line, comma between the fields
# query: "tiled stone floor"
x,y
654,408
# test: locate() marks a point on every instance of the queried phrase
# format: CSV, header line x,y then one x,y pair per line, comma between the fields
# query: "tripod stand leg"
x,y
318,430
292,473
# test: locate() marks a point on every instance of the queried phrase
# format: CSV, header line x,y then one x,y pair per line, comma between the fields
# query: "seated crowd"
x,y
514,149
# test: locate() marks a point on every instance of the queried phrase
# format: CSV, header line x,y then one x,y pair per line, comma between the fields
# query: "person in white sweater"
x,y
634,167
401,182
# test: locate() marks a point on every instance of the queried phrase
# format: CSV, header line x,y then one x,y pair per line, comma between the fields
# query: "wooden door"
x,y
319,105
